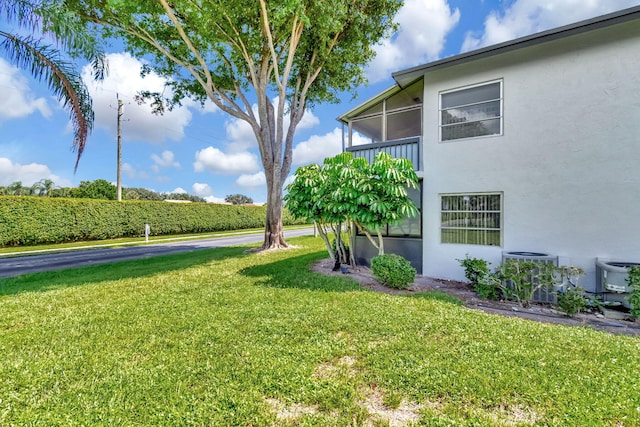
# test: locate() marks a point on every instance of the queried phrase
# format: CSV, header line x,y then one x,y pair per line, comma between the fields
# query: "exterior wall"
x,y
411,249
567,164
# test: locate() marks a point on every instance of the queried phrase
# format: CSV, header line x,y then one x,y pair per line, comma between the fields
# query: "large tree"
x,y
45,39
282,55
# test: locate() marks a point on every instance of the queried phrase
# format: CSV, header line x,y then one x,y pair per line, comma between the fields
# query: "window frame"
x,y
384,230
500,117
484,232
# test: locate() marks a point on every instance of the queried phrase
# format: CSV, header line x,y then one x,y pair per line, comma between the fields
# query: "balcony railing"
x,y
408,148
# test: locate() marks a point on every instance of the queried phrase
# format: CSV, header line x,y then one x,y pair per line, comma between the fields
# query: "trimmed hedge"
x,y
41,220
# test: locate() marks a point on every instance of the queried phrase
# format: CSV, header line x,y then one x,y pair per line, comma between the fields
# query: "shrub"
x,y
521,279
393,271
43,220
571,301
633,280
477,272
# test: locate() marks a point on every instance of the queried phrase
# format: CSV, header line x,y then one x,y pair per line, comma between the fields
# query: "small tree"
x,y
238,199
307,197
98,189
348,190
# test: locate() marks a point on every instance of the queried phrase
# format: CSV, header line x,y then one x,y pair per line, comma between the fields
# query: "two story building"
x,y
528,147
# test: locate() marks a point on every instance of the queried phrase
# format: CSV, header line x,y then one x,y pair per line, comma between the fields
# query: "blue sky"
x,y
210,154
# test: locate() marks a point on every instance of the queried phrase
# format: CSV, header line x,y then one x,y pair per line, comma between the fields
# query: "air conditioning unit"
x,y
543,295
611,276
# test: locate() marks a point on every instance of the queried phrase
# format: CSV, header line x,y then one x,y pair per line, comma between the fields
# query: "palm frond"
x,y
46,64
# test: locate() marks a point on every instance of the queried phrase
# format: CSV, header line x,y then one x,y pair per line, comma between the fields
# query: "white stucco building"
x,y
529,145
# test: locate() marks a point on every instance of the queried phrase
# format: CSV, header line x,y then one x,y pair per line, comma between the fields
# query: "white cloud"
x,y
423,28
11,172
525,17
214,199
201,189
132,173
138,123
17,99
165,160
204,190
178,190
214,160
318,147
256,180
240,135
128,170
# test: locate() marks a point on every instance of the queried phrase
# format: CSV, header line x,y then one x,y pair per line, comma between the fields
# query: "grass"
x,y
220,337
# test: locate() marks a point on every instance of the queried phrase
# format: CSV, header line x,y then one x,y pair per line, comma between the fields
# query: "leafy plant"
x,y
477,272
633,281
521,279
347,190
393,270
571,299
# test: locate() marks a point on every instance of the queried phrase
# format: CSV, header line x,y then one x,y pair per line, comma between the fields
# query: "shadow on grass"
x,y
295,272
77,276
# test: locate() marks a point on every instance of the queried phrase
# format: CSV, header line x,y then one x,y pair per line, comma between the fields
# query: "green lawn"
x,y
220,337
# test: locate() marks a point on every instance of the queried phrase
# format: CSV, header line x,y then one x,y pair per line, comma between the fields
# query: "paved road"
x,y
16,266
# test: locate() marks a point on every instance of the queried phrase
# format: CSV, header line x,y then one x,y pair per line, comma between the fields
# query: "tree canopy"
x,y
238,199
282,56
352,191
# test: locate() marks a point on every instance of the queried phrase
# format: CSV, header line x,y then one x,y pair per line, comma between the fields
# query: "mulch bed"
x,y
537,312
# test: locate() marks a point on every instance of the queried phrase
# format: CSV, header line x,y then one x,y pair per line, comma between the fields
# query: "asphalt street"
x,y
15,266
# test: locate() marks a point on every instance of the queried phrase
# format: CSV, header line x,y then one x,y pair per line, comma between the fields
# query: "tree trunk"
x,y
273,232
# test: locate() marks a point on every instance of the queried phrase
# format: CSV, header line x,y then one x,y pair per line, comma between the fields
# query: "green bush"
x,y
477,272
521,279
393,271
571,301
633,281
43,220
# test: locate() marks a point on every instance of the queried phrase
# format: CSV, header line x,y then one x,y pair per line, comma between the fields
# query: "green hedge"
x,y
40,220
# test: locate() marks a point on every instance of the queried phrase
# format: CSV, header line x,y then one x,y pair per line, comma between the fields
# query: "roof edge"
x,y
409,75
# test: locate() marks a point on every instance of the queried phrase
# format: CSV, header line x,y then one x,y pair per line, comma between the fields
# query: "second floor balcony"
x,y
390,122
407,148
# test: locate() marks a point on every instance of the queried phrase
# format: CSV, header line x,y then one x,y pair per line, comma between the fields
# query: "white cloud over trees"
x,y
27,174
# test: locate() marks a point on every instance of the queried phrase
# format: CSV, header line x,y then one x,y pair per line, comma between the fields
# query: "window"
x,y
471,112
408,227
471,219
396,117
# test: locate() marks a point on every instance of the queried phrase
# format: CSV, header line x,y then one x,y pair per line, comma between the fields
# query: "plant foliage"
x,y
477,272
349,190
633,281
40,220
236,53
393,271
54,63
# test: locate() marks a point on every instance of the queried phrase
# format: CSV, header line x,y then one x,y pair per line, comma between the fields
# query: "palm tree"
x,y
14,189
51,21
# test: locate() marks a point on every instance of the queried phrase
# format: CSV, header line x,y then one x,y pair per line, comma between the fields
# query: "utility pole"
x,y
118,173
